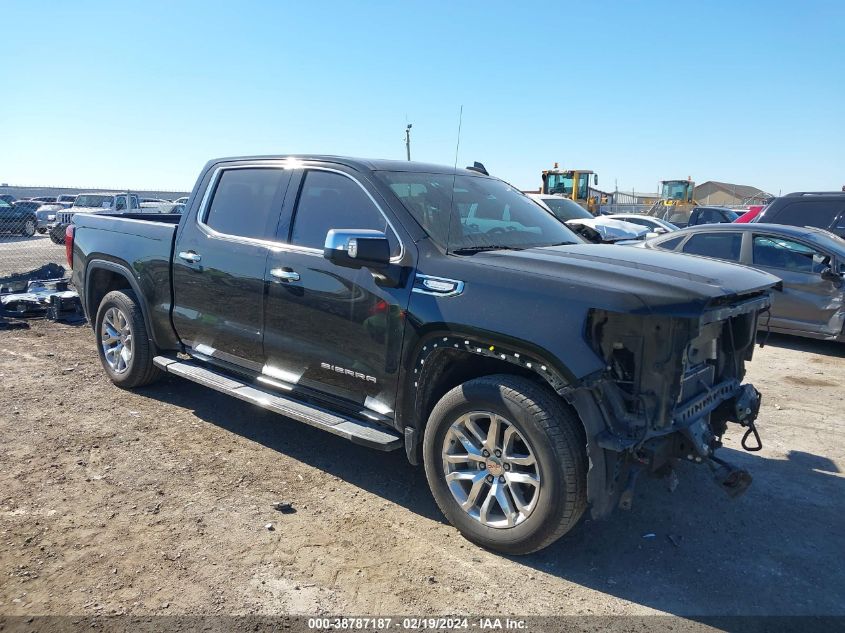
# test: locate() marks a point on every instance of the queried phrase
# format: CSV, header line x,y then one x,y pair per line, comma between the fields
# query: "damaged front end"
x,y
670,386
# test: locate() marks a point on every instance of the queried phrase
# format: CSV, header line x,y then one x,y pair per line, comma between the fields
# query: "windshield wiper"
x,y
469,250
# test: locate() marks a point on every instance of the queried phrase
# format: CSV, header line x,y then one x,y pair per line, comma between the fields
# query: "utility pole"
x,y
408,140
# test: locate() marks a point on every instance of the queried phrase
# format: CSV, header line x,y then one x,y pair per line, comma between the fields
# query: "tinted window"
x,y
332,201
776,252
669,245
710,216
817,213
718,245
247,202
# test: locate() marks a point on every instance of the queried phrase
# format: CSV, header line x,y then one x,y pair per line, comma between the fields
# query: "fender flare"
x,y
126,273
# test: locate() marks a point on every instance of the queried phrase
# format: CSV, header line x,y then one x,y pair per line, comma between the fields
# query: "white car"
x,y
655,226
604,229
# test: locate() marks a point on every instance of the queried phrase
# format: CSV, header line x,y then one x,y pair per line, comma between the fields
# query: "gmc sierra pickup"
x,y
531,373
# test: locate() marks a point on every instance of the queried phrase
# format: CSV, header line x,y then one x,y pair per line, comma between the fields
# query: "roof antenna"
x,y
454,179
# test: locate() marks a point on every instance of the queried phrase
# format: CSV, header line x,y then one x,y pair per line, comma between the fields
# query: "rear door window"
x,y
719,245
247,202
772,251
816,213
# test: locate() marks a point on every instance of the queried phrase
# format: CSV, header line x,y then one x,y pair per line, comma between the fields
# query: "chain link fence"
x,y
32,240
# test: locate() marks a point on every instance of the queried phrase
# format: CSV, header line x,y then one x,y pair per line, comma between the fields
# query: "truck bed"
x,y
141,245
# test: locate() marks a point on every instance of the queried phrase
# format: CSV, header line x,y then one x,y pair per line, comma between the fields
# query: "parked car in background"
x,y
7,197
596,230
45,215
682,216
182,200
809,261
655,226
43,199
600,230
822,210
18,217
753,211
91,203
68,198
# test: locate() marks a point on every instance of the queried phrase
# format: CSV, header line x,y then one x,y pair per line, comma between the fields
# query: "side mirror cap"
x,y
595,180
357,248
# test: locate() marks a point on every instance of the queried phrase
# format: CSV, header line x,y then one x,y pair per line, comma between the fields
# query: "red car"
x,y
753,212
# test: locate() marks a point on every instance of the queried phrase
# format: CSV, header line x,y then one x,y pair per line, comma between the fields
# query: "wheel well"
x,y
447,368
101,282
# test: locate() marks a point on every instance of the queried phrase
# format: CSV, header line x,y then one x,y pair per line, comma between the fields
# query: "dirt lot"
x,y
156,502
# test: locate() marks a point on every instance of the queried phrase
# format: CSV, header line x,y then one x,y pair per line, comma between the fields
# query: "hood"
x,y
640,279
608,229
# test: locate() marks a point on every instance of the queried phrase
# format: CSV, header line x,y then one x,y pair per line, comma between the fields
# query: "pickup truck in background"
x,y
531,373
90,203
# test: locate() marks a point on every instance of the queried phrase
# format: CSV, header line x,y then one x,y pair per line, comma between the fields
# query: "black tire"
x,y
41,230
139,369
556,438
56,237
28,227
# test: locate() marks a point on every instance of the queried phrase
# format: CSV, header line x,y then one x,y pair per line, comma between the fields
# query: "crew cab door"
x,y
219,261
332,330
808,302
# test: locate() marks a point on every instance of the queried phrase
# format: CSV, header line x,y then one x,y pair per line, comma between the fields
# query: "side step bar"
x,y
357,431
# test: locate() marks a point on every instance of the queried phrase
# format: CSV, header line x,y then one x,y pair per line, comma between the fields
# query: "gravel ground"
x,y
156,502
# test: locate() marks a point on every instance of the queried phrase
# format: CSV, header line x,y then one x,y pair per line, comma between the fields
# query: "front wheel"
x,y
57,236
28,227
122,341
506,462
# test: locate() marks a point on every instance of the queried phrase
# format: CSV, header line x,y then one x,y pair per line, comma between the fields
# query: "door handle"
x,y
284,275
190,256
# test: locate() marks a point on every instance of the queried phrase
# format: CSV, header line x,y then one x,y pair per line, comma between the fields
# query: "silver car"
x,y
810,262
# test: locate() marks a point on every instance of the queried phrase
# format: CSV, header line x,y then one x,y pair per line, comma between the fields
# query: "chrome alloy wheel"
x,y
490,469
116,340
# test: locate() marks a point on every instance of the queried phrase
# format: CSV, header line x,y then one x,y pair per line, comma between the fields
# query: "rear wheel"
x,y
506,462
123,344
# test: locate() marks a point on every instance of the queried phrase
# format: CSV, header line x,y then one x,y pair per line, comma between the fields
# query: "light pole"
x,y
408,140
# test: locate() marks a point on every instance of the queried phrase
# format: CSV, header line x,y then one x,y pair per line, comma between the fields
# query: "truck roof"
x,y
360,164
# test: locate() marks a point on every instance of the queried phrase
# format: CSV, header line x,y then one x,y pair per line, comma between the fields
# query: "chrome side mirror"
x,y
357,248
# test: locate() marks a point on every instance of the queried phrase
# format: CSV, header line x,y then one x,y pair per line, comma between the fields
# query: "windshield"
x,y
488,213
674,191
93,201
565,209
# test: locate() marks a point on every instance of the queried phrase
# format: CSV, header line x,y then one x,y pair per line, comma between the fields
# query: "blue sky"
x,y
140,95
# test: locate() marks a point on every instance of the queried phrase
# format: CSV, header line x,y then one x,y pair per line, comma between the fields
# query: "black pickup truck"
x,y
531,373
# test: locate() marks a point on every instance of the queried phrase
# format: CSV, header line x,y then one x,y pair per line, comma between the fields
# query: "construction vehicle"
x,y
575,185
676,200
